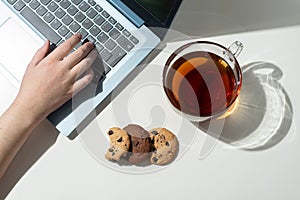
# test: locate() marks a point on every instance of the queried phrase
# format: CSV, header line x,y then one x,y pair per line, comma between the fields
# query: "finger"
x,y
63,50
84,64
83,81
75,57
40,54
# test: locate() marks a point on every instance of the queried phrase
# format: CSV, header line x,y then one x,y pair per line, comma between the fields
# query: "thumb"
x,y
40,54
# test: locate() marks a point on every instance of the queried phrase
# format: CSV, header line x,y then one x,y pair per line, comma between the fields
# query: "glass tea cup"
x,y
202,79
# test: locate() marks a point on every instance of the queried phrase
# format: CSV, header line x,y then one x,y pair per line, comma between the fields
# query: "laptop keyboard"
x,y
60,19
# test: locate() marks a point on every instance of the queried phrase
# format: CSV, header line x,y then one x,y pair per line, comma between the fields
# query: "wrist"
x,y
25,114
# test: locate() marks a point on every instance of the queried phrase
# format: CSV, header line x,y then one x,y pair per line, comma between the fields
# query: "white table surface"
x,y
52,167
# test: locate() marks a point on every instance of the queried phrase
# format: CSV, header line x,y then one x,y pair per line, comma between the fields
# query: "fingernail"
x,y
78,35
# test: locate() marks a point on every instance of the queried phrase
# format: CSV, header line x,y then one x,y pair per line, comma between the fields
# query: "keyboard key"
x,y
60,42
48,17
134,40
95,30
41,10
101,69
110,44
97,76
55,24
106,68
98,8
84,6
59,13
45,2
63,31
114,33
69,35
11,2
125,43
117,55
79,16
52,6
87,23
76,2
99,47
106,27
112,20
40,25
34,4
65,4
19,5
119,27
72,10
67,20
83,32
77,45
91,2
91,39
105,14
91,13
74,26
126,33
102,37
99,20
105,55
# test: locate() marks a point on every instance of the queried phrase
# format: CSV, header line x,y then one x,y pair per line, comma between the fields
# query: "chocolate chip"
x,y
162,137
110,132
152,141
112,154
167,143
137,143
110,149
154,159
120,139
154,132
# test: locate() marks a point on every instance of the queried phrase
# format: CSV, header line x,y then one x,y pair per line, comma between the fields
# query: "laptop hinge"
x,y
127,12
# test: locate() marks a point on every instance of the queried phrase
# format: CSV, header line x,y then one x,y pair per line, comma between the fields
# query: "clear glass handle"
x,y
236,48
233,50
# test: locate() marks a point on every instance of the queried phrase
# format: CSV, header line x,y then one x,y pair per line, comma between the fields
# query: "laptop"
x,y
125,32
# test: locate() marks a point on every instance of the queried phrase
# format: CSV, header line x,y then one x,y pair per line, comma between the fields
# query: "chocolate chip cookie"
x,y
119,144
165,146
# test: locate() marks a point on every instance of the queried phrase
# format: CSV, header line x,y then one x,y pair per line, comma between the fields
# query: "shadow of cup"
x,y
263,116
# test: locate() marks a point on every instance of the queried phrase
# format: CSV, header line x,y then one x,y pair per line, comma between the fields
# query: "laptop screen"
x,y
157,14
159,9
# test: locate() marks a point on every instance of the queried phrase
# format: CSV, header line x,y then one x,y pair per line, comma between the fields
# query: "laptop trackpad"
x,y
16,49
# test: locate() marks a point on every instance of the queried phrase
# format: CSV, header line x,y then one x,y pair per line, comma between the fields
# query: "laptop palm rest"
x,y
20,49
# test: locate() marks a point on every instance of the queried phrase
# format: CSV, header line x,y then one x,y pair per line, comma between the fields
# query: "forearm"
x,y
15,127
55,77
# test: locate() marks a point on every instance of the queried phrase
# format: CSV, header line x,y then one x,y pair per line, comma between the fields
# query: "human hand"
x,y
51,80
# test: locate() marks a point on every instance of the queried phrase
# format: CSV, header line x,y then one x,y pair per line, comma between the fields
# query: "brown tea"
x,y
201,84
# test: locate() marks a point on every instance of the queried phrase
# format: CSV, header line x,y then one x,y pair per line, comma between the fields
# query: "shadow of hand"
x,y
42,138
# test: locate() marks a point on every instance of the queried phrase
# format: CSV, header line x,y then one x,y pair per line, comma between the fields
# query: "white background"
x,y
52,167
